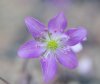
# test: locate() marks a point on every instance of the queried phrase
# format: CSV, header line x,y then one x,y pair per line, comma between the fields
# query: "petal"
x,y
31,49
76,35
58,23
77,48
67,58
36,28
48,67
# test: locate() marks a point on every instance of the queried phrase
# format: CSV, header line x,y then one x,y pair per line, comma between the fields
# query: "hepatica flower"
x,y
52,44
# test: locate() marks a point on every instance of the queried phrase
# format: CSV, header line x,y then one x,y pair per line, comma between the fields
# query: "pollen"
x,y
52,45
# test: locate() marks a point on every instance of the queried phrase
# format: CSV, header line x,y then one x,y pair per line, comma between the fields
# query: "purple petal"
x,y
48,67
30,49
67,58
35,27
76,35
58,23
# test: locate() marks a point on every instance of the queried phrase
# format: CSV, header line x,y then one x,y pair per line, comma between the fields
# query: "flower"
x,y
52,44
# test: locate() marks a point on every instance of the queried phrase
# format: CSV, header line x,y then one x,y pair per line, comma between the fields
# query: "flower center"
x,y
52,45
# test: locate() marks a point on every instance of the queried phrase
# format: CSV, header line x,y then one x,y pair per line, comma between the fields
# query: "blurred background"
x,y
13,33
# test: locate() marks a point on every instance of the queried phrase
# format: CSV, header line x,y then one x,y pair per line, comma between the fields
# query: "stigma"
x,y
52,45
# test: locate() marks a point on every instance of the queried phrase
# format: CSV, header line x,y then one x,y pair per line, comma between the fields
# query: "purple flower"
x,y
52,44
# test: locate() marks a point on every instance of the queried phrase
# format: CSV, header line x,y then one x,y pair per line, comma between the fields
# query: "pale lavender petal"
x,y
76,35
67,58
48,67
35,27
31,49
77,48
58,23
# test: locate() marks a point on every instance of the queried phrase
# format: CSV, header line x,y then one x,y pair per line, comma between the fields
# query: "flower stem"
x,y
2,79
